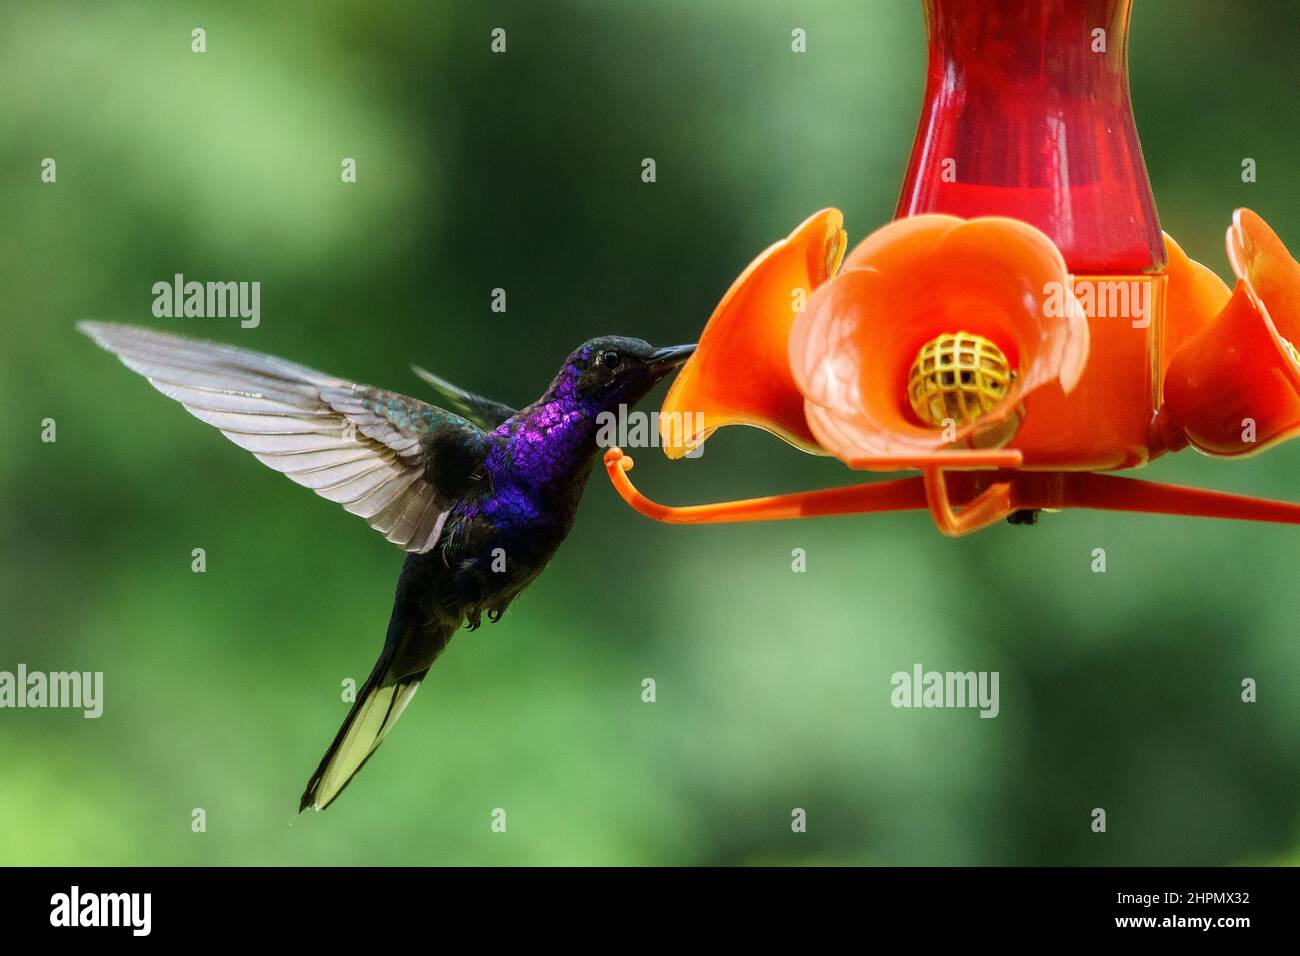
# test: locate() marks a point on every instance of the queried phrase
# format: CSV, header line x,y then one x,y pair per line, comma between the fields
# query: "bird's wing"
x,y
483,412
372,451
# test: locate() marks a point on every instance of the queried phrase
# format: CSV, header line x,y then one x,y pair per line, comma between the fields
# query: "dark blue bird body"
x,y
478,494
520,505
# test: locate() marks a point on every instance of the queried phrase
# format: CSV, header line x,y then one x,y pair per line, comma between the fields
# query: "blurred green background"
x,y
1119,690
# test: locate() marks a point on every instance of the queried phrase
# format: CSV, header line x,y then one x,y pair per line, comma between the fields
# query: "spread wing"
x,y
372,451
483,412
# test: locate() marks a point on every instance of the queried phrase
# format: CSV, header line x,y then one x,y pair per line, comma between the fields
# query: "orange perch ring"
x,y
963,501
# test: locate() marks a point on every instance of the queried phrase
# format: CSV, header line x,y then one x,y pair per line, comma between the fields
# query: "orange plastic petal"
x,y
892,246
1234,387
1271,276
740,372
912,280
1193,297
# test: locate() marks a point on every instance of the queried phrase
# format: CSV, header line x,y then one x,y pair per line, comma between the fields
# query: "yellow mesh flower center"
x,y
960,376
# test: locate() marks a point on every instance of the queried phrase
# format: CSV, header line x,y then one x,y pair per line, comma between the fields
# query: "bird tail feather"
x,y
373,714
396,676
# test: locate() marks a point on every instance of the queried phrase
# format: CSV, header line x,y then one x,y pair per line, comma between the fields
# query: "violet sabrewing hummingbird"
x,y
478,494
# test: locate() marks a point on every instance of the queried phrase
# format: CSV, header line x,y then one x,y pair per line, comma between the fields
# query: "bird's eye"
x,y
607,359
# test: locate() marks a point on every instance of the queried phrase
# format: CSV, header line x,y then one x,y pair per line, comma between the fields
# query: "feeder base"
x,y
965,501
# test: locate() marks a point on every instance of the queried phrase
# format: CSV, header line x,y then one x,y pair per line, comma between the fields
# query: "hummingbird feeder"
x,y
1022,328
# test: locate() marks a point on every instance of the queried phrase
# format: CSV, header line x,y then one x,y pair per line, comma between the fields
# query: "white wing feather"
x,y
325,433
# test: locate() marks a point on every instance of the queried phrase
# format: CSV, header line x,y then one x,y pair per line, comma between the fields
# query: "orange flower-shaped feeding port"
x,y
1233,387
740,373
979,312
931,338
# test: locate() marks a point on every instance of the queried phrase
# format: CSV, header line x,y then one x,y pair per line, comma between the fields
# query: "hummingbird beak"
x,y
663,361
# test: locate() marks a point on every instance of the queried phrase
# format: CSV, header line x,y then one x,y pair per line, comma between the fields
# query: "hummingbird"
x,y
478,494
